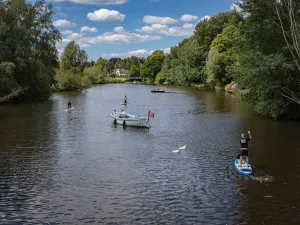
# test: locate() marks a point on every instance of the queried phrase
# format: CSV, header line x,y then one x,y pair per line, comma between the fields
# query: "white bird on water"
x,y
176,151
182,148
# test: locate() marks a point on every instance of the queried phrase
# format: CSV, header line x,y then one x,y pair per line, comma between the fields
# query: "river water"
x,y
59,167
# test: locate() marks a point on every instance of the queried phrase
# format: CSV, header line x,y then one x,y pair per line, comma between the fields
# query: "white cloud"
x,y
235,6
105,15
75,36
138,53
188,18
63,23
83,45
88,29
188,26
67,32
186,30
95,2
119,30
153,28
119,38
159,20
178,31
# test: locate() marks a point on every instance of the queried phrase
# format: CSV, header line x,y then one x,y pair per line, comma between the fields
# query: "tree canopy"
x,y
28,55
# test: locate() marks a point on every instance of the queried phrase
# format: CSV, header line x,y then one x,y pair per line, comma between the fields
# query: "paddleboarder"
x,y
69,104
244,147
125,100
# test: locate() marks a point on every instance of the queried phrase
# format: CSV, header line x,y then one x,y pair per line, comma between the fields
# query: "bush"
x,y
68,81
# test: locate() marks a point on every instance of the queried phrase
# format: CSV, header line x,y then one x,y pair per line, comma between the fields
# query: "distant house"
x,y
121,72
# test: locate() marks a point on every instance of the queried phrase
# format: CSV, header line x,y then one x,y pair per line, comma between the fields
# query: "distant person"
x,y
69,104
244,147
125,100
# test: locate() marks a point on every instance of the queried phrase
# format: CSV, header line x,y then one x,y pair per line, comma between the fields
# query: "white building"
x,y
121,72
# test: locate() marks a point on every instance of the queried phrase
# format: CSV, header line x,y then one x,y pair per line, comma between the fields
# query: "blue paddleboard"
x,y
244,169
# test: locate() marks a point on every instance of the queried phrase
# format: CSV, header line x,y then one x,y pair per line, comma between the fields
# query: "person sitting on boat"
x,y
69,104
125,100
123,114
244,147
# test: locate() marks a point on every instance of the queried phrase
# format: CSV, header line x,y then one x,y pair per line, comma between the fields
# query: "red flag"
x,y
151,114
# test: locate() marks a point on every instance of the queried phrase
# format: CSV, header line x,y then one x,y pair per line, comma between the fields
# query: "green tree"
x,y
134,72
212,68
152,66
266,65
73,58
27,44
223,57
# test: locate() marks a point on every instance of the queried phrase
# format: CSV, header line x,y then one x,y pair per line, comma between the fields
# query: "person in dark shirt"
x,y
69,104
125,100
244,147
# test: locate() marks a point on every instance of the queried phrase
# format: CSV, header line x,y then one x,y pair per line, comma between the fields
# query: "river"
x,y
59,167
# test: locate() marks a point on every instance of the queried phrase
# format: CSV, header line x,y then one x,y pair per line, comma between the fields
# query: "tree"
x,y
152,66
266,64
27,44
223,56
134,72
291,32
73,58
212,68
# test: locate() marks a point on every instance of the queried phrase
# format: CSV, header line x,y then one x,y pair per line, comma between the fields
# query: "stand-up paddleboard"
x,y
124,103
68,110
244,169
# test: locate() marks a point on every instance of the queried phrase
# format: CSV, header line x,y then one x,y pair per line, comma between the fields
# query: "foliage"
x,y
73,58
28,54
266,66
213,69
186,63
152,66
68,81
158,79
7,80
134,72
94,74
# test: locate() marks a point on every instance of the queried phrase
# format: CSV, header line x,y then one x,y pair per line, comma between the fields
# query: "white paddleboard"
x,y
68,110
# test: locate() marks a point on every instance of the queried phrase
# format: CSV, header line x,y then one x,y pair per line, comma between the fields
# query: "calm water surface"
x,y
58,167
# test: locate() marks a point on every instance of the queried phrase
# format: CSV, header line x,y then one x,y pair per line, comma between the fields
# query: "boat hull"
x,y
132,122
154,91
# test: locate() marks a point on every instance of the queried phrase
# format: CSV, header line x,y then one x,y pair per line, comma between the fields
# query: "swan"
x,y
176,151
182,148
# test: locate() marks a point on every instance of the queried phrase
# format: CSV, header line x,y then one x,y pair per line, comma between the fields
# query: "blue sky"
x,y
121,28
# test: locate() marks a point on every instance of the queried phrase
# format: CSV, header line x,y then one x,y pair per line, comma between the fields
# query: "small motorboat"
x,y
130,120
158,90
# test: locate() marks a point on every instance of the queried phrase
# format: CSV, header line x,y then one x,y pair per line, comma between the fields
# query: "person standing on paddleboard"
x,y
125,100
244,147
69,104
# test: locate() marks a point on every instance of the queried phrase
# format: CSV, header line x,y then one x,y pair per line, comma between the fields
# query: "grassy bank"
x,y
74,82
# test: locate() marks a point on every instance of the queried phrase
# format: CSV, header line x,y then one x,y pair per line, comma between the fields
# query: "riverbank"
x,y
79,85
